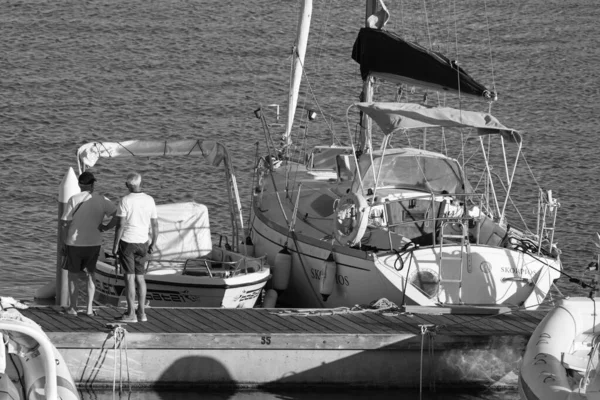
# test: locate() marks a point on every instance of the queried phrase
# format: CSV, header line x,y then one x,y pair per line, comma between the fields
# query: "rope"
x,y
487,22
120,335
430,331
382,306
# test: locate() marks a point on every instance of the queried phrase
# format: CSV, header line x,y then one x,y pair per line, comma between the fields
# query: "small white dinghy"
x,y
186,270
561,360
30,366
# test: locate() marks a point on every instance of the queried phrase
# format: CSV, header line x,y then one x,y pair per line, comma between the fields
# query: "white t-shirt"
x,y
86,211
137,209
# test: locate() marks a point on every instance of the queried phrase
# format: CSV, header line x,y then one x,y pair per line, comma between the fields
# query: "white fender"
x,y
48,291
351,218
247,247
328,278
282,269
270,299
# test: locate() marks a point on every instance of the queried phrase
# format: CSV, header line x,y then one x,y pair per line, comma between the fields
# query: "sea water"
x,y
79,71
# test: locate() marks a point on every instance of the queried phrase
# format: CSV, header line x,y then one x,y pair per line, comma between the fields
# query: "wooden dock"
x,y
264,348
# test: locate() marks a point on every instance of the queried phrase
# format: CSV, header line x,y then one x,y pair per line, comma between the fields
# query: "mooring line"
x,y
120,336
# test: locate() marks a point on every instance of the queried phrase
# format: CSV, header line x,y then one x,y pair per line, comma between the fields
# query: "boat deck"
x,y
273,347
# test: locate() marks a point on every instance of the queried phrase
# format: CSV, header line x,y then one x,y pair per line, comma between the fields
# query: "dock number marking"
x,y
265,340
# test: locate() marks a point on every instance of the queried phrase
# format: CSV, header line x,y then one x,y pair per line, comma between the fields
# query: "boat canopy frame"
x,y
214,152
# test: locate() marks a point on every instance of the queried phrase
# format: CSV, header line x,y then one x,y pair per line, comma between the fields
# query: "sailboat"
x,y
343,225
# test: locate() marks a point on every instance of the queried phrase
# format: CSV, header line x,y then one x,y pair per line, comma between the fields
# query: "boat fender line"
x,y
430,331
407,248
120,337
351,218
282,269
329,277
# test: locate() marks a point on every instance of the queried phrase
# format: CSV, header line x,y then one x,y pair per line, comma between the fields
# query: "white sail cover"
x,y
89,153
394,116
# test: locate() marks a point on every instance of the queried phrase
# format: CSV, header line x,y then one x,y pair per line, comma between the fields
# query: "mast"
x,y
299,52
373,9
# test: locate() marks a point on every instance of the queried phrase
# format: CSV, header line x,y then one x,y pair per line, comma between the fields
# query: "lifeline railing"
x,y
434,214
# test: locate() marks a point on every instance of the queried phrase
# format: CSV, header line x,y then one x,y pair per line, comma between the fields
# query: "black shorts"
x,y
133,257
80,258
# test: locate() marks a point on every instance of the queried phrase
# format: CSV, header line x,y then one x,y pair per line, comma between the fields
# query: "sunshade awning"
x,y
88,154
391,117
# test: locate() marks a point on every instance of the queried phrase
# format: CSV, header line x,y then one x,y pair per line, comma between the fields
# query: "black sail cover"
x,y
385,54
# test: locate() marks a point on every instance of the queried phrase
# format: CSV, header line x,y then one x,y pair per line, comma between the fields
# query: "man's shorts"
x,y
80,258
133,257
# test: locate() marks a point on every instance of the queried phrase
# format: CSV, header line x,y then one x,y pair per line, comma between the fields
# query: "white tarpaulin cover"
x,y
184,231
394,116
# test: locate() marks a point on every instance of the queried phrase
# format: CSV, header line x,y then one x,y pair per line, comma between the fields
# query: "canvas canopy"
x,y
391,117
88,154
213,152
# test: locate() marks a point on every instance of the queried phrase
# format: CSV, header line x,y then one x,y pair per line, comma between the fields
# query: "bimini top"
x,y
88,154
411,169
391,117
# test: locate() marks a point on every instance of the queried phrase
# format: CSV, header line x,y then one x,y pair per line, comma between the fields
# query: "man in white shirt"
x,y
136,217
82,238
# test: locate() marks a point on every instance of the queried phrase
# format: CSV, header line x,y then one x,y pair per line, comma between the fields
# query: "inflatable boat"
x,y
561,360
30,366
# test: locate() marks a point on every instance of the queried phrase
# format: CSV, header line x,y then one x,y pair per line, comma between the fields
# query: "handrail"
x,y
464,218
46,349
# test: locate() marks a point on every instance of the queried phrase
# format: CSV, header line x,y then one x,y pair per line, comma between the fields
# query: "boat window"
x,y
325,157
416,172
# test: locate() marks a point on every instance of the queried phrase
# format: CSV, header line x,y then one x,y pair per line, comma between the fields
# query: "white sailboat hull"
x,y
497,276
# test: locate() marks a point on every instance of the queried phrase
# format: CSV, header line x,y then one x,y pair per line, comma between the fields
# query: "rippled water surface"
x,y
79,71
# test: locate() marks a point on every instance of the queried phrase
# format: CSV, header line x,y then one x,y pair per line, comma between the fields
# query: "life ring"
x,y
350,219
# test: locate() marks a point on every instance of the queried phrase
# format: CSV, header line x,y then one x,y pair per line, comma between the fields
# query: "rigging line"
x,y
487,191
427,24
329,126
456,61
354,149
487,21
321,39
530,171
402,18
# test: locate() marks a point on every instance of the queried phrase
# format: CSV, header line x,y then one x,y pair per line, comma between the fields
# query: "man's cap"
x,y
86,178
